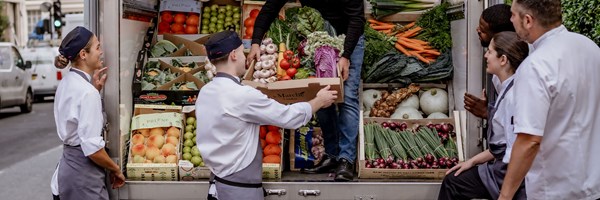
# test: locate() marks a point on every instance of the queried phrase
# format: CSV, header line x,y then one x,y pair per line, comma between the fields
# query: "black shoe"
x,y
345,171
326,165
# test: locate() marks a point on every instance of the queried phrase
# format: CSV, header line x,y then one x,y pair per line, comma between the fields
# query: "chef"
x,y
80,122
229,116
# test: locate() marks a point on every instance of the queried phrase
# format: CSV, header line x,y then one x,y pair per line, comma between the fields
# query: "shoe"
x,y
326,165
345,171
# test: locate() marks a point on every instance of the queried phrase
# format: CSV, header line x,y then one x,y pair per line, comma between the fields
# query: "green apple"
x,y
188,135
201,164
236,9
196,160
188,143
195,151
228,7
187,149
194,140
187,156
189,128
191,120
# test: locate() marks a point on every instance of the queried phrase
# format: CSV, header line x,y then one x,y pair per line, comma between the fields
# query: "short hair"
x,y
498,18
508,43
219,60
547,12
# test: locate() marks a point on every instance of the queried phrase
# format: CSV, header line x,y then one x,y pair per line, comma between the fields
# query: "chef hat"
x,y
222,43
76,40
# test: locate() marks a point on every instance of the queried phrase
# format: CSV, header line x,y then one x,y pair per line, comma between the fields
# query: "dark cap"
x,y
222,43
76,40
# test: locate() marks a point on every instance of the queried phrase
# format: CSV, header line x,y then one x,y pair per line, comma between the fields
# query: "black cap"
x,y
222,43
76,40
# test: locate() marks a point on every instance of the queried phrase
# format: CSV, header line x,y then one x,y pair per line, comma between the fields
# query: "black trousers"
x,y
55,197
467,185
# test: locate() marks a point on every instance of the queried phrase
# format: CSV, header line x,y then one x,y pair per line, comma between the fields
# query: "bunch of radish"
x,y
265,70
429,162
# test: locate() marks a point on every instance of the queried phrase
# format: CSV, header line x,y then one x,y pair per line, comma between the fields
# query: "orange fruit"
x,y
164,26
263,132
166,16
192,20
262,143
189,29
273,137
177,28
179,18
272,159
272,149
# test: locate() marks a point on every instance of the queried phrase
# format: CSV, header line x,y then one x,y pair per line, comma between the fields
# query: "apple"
x,y
144,131
187,156
187,149
152,152
138,159
159,159
138,149
188,143
137,139
157,131
168,149
188,135
156,140
173,131
171,159
195,151
196,160
191,120
172,140
189,128
194,139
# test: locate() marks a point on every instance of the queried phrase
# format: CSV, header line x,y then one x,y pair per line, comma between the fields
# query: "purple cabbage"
x,y
326,58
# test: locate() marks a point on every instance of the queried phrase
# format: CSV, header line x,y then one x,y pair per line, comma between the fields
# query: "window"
x,y
4,58
34,16
17,58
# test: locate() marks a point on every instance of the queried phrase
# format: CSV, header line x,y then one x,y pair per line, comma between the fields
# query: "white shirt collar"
x,y
86,74
547,35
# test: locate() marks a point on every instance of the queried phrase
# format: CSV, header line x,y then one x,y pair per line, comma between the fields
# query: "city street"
x,y
30,149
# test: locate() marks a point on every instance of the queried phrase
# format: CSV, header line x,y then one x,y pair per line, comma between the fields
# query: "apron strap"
x,y
497,150
225,75
237,184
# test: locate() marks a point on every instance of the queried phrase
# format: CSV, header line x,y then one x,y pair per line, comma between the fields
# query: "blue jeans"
x,y
340,129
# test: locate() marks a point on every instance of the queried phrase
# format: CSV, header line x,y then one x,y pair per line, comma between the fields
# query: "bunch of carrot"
x,y
405,41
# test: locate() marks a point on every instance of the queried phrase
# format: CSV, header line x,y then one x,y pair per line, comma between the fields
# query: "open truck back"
x,y
122,38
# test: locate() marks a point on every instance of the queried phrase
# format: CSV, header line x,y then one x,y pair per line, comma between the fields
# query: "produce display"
x,y
393,145
217,18
265,70
406,103
388,103
189,151
154,76
178,22
155,145
270,142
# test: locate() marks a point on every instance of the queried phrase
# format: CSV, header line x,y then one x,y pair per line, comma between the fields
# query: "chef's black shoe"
x,y
326,165
345,171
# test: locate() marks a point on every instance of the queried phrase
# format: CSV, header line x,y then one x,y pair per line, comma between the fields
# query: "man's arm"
x,y
265,17
523,153
355,10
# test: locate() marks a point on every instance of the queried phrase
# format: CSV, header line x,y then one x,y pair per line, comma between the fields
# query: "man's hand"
x,y
476,106
60,62
98,81
324,98
117,179
460,167
254,54
344,65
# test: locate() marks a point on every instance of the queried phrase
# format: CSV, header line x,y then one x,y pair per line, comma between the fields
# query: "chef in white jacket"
x,y
229,116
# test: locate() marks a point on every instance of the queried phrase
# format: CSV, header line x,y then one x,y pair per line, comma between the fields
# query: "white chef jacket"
x,y
561,102
228,119
78,113
503,128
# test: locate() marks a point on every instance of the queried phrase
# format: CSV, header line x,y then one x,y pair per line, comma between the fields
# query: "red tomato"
x,y
177,28
193,20
249,22
273,128
164,26
249,30
179,18
295,62
284,64
288,54
263,131
254,13
189,29
166,16
291,72
285,78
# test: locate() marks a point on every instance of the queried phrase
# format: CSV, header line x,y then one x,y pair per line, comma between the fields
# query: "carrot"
x,y
418,56
402,49
421,42
383,27
378,23
410,25
409,40
409,45
387,31
430,52
411,32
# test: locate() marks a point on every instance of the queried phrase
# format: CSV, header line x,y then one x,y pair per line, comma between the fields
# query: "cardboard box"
x,y
308,159
152,116
374,173
294,91
195,46
235,3
180,6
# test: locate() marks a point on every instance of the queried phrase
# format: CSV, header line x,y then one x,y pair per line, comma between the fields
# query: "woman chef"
x,y
79,122
467,180
228,120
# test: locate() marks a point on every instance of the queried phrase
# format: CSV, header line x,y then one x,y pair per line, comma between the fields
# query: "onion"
x,y
385,125
437,115
438,127
406,113
395,166
370,97
393,126
403,126
267,41
434,100
432,126
380,160
381,165
412,101
263,49
429,158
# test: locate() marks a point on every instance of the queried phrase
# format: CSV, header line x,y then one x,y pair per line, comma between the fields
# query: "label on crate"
x,y
157,120
180,6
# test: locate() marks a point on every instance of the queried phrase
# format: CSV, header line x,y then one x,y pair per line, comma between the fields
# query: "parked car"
x,y
44,76
15,79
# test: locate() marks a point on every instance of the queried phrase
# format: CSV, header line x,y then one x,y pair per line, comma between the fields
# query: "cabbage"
x,y
326,61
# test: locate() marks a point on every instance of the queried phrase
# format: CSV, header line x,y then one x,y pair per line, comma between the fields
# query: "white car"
x,y
15,79
44,76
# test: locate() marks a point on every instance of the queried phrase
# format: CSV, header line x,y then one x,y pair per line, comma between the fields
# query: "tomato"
x,y
164,26
285,78
166,16
254,13
189,29
193,20
295,62
284,64
249,30
179,18
247,37
291,72
177,28
263,131
288,54
273,128
249,22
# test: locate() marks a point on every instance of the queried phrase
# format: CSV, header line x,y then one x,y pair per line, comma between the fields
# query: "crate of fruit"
x,y
191,165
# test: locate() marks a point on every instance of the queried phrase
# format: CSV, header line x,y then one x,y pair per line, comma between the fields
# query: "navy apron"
x,y
247,183
78,176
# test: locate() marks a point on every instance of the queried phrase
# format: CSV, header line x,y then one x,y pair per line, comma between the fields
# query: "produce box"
x,y
170,45
163,93
179,17
250,11
407,169
186,82
154,143
271,141
191,166
307,148
293,91
184,64
217,15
